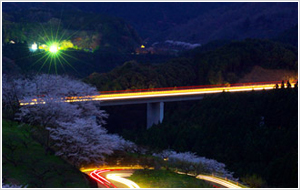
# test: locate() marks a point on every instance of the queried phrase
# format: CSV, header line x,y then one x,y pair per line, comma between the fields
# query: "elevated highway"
x,y
155,98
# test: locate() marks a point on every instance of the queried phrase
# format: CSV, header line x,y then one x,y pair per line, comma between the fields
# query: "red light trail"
x,y
102,180
96,175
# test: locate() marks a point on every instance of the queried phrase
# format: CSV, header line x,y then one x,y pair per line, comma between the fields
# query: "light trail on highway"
x,y
185,92
167,92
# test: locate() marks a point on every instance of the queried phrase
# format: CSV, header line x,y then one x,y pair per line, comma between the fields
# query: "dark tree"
x,y
288,84
282,84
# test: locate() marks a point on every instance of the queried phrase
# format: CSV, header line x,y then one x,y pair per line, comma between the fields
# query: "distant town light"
x,y
142,46
34,47
43,46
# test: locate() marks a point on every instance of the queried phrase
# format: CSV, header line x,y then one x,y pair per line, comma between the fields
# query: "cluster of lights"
x,y
53,47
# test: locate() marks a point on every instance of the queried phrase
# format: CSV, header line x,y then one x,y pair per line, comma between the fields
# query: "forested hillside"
x,y
189,22
87,48
254,134
26,163
204,65
85,30
93,42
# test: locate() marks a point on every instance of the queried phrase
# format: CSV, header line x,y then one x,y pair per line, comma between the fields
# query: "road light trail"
x,y
156,94
219,181
102,180
165,92
114,168
118,178
213,179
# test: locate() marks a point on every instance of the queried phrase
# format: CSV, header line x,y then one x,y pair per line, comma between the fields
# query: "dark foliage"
x,y
25,162
233,60
215,63
132,75
254,134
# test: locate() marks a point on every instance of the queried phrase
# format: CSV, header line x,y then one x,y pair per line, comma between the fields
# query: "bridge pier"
x,y
155,113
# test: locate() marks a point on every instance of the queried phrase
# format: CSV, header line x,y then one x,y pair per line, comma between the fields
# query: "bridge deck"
x,y
164,94
137,97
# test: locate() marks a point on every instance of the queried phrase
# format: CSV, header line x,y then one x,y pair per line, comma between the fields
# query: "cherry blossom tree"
x,y
6,185
83,141
53,90
48,94
189,162
13,186
12,92
75,128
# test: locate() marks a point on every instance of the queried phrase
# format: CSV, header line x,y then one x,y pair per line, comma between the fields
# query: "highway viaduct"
x,y
155,99
155,105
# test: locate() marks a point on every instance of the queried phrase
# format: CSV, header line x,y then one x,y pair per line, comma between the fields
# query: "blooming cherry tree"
x,y
83,141
52,90
190,162
13,90
75,128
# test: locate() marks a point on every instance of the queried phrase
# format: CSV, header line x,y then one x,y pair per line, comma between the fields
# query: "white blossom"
x,y
190,162
84,141
52,90
128,146
13,186
75,128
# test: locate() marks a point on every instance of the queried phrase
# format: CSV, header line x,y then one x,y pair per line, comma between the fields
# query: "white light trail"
x,y
218,181
118,178
213,179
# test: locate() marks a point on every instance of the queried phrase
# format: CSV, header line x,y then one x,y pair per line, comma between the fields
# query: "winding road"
x,y
116,178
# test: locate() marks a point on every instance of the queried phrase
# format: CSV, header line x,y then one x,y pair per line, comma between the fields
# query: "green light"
x,y
53,48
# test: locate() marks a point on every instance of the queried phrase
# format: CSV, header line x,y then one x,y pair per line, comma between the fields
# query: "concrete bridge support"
x,y
155,113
